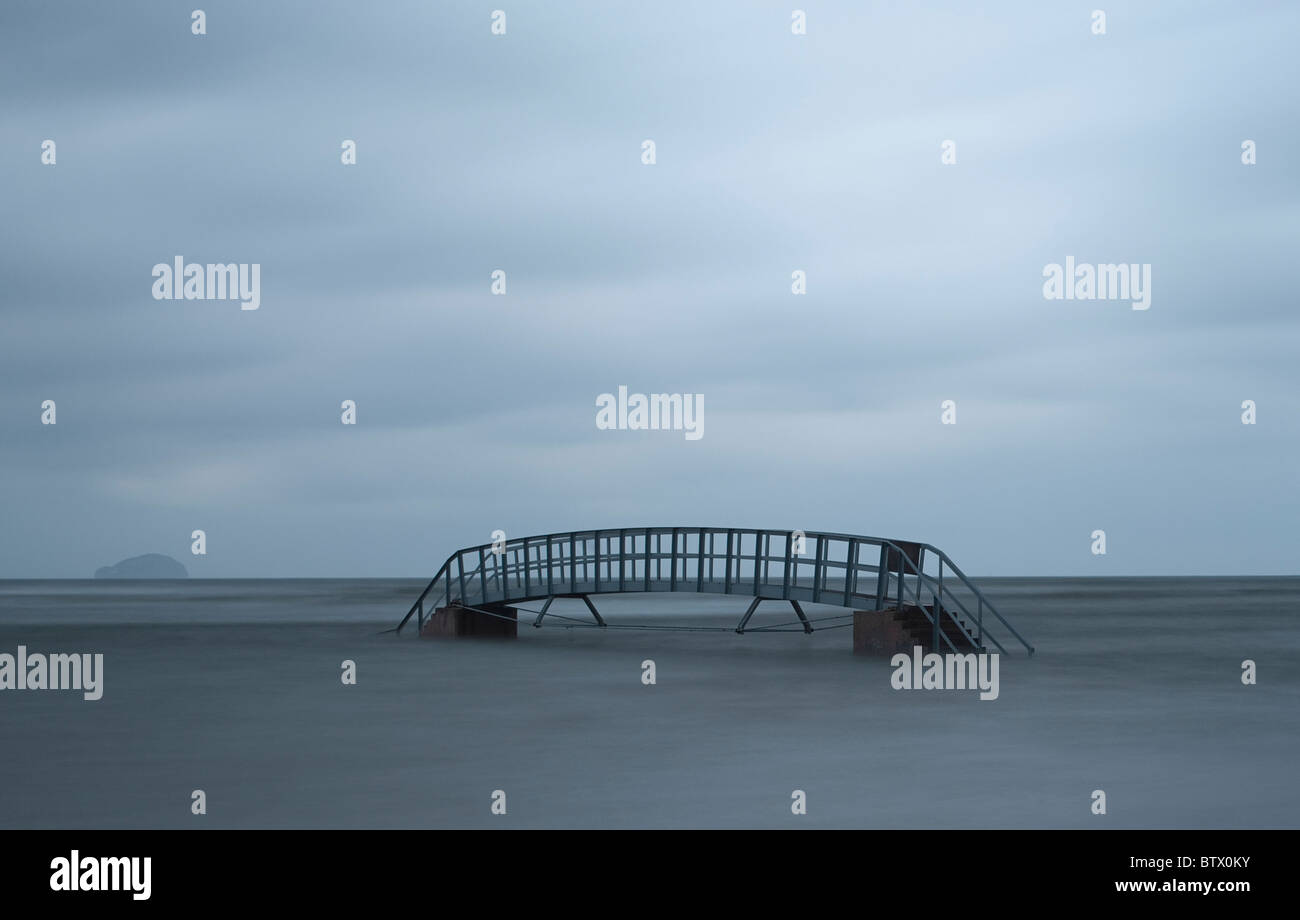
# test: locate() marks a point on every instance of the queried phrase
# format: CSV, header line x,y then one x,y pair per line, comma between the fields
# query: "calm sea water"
x,y
233,687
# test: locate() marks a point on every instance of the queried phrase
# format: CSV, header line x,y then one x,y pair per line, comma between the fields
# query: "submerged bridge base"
x,y
490,620
876,632
900,629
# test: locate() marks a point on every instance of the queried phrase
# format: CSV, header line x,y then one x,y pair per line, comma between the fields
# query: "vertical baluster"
x,y
726,579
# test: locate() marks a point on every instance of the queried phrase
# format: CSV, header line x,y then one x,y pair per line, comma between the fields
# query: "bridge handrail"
x,y
978,593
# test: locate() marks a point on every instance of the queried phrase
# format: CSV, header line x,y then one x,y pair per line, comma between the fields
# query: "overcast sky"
x,y
775,153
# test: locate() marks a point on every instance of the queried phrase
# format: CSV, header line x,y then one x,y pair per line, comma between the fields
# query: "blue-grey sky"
x,y
522,152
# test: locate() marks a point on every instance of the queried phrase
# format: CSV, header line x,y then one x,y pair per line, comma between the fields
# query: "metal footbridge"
x,y
916,580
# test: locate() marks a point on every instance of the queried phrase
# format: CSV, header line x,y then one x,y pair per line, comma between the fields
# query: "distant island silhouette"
x,y
150,565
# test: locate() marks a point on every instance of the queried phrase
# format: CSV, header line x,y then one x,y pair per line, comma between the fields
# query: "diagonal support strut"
x,y
807,627
594,612
748,613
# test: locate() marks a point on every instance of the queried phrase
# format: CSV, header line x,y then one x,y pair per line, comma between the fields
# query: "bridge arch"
x,y
848,570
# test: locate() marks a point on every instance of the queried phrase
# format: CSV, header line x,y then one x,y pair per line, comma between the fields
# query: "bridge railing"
x,y
843,569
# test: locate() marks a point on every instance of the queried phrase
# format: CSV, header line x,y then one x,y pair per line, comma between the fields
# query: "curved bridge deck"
x,y
846,570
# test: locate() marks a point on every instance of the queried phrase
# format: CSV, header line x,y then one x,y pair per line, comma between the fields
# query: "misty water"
x,y
233,687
